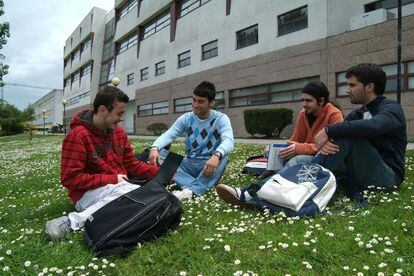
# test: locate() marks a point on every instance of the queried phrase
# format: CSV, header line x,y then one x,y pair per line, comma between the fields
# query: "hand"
x,y
321,138
329,148
211,166
122,177
154,156
265,150
288,152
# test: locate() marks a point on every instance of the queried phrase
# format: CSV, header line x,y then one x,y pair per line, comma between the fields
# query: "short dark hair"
x,y
107,97
206,90
318,90
367,73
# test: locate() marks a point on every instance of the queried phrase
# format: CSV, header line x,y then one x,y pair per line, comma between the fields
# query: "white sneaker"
x,y
58,227
184,194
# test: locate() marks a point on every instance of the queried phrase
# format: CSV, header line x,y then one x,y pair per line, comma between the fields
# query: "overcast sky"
x,y
34,51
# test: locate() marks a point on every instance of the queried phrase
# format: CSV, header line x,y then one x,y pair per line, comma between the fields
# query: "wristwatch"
x,y
218,154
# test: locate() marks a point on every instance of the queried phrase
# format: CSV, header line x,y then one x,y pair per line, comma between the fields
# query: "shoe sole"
x,y
228,197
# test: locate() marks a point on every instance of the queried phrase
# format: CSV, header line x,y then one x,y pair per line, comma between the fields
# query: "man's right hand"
x,y
154,156
329,148
122,177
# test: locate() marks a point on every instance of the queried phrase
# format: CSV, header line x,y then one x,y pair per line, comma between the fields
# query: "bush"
x,y
58,128
269,122
158,128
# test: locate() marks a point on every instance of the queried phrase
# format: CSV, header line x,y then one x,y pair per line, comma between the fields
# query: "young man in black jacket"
x,y
368,148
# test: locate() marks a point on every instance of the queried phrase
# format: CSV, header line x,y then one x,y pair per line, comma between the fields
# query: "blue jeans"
x,y
298,159
189,175
357,166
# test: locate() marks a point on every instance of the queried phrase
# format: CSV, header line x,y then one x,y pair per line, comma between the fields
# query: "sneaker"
x,y
58,227
232,195
184,194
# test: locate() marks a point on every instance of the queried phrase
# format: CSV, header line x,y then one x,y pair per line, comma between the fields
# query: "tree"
x,y
12,120
4,34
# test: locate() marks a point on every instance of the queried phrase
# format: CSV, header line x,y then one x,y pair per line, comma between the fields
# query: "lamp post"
x,y
64,102
44,121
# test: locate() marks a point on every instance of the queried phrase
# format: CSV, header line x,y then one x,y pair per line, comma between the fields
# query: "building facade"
x,y
48,110
259,54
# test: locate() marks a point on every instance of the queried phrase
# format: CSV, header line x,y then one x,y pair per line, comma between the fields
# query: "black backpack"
x,y
136,217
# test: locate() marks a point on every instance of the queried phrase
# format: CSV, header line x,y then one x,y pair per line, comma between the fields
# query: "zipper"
x,y
107,236
158,220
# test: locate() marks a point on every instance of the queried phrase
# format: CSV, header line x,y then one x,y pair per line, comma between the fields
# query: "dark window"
x,y
107,71
219,100
292,21
287,91
188,6
129,5
128,42
183,104
157,24
76,54
76,76
407,79
385,4
75,100
130,79
153,109
86,44
87,69
184,59
247,37
67,82
160,68
209,50
108,50
110,29
144,73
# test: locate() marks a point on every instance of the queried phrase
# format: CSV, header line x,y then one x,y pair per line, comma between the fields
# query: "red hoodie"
x,y
92,158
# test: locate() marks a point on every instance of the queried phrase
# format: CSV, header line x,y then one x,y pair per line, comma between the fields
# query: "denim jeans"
x,y
357,166
189,175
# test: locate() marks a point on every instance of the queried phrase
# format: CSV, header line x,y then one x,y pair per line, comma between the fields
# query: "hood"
x,y
84,118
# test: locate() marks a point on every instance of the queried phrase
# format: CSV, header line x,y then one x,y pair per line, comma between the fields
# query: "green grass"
x,y
377,238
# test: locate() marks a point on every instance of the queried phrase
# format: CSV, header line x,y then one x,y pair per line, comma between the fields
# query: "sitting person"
x,y
208,140
368,148
97,160
316,114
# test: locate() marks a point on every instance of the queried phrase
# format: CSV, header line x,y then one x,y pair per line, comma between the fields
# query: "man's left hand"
x,y
321,138
211,166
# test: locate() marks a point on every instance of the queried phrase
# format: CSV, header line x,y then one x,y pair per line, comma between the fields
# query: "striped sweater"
x,y
92,158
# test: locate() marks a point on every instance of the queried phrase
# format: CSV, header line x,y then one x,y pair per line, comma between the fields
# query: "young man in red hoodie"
x,y
97,160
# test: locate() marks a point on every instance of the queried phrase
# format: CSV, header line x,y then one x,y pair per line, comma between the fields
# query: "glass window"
x,y
159,23
108,50
110,29
87,44
76,76
219,100
188,6
128,42
293,21
127,8
209,50
184,59
153,109
247,37
87,69
385,4
130,79
76,54
183,104
144,73
160,68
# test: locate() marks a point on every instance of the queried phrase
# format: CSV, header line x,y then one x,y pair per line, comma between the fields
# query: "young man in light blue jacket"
x,y
208,140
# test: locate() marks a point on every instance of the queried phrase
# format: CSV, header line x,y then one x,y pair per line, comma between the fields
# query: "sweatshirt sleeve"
x,y
226,133
378,125
172,133
134,167
73,175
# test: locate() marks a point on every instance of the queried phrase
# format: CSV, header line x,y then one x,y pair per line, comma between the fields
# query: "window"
x,y
188,6
76,76
247,37
128,43
75,100
407,78
209,50
160,68
184,59
219,100
385,4
183,104
129,5
130,79
76,54
87,44
287,91
107,71
110,29
292,21
67,82
157,24
153,109
87,69
108,50
144,73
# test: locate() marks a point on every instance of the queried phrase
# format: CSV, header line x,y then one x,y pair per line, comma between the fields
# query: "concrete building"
x,y
259,54
48,110
82,60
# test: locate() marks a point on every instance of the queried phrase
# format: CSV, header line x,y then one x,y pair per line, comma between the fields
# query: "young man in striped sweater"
x,y
208,140
97,160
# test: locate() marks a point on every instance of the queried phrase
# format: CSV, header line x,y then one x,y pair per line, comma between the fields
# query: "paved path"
x,y
410,146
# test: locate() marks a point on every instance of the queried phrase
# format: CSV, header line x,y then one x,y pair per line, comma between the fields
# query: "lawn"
x,y
214,238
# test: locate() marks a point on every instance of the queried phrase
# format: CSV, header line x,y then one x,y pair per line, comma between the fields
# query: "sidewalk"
x,y
410,146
